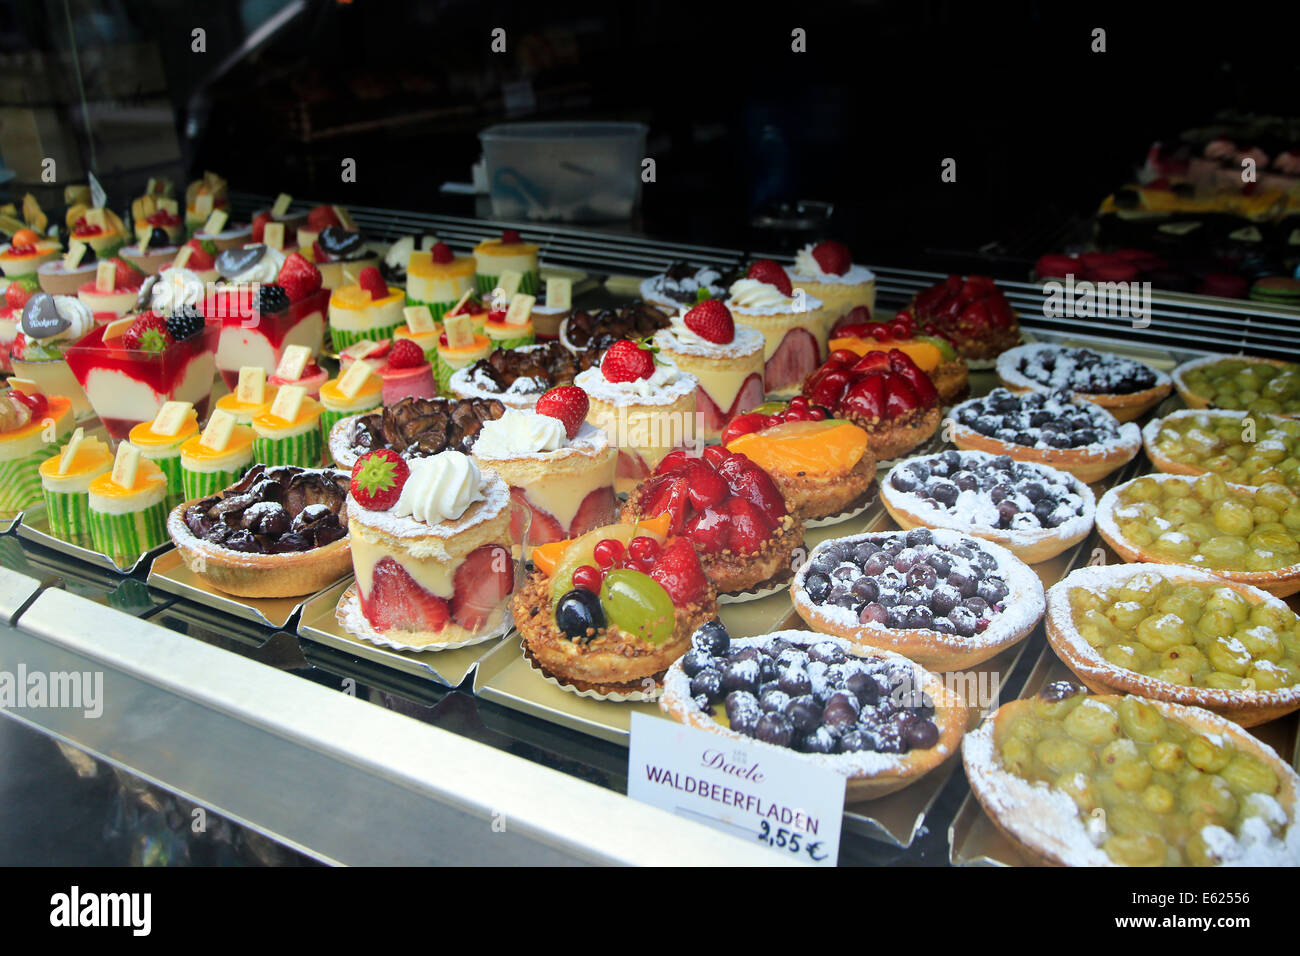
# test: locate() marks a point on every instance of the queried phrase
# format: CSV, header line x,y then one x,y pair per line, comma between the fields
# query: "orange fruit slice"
x,y
828,447
926,356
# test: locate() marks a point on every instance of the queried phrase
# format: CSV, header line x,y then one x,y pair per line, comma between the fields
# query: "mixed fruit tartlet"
x,y
31,427
972,313
933,354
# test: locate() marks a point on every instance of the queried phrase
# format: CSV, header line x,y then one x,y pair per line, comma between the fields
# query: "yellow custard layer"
x,y
271,426
243,412
145,438
366,399
108,497
435,576
87,464
199,457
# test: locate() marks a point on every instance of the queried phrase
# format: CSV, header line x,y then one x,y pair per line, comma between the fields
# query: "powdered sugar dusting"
x,y
748,340
1042,366
496,496
590,441
671,387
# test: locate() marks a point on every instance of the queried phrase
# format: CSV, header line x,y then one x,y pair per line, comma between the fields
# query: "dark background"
x,y
1041,127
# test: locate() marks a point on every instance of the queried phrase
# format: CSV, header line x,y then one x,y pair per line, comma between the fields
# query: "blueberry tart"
x,y
1178,634
940,598
1077,780
1033,511
279,531
1123,386
1049,428
871,715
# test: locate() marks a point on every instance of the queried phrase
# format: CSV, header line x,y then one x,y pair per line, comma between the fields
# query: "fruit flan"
x,y
26,253
370,310
826,271
438,278
794,326
493,257
608,613
726,360
32,426
972,313
430,548
647,408
933,354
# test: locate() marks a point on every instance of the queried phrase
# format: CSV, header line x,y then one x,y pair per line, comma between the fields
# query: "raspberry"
x,y
405,354
298,277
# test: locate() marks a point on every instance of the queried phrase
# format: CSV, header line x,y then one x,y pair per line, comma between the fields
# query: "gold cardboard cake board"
x,y
36,528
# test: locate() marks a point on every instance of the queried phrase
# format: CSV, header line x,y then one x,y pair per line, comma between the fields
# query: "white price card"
x,y
757,793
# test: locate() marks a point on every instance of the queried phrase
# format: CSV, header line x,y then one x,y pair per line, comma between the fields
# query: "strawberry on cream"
x,y
729,373
794,328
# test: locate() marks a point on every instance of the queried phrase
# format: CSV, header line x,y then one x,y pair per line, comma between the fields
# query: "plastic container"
x,y
564,172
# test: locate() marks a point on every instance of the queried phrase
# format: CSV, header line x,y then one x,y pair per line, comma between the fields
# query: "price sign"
x,y
763,794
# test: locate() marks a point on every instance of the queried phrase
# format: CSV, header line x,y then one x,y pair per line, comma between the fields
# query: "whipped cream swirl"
x,y
265,270
750,293
518,433
174,289
440,488
51,318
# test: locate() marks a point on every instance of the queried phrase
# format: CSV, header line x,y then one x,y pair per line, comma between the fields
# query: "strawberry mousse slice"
x,y
130,368
794,324
266,302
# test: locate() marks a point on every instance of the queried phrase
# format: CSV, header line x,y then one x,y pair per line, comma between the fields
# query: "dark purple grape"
x,y
922,575
865,588
827,652
963,581
977,605
904,480
921,734
963,621
819,741
795,681
695,660
941,563
992,590
920,616
841,596
774,729
707,683
864,550
578,614
944,492
803,714
944,598
854,742
818,586
877,563
703,703
712,637
773,698
792,657
742,707
873,613
740,676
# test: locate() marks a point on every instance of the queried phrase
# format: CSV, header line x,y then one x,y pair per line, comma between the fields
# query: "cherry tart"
x,y
730,510
872,716
1123,386
607,613
971,312
1077,780
1247,535
940,598
277,532
413,427
1033,511
884,393
1243,448
1178,634
1048,428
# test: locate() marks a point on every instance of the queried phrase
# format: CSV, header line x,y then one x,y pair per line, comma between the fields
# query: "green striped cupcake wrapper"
x,y
20,480
201,484
304,450
529,284
342,338
436,309
125,537
329,419
68,515
443,373
170,466
514,343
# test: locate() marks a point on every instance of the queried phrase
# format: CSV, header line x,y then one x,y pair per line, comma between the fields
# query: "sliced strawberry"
x,y
744,425
975,316
482,582
397,602
793,361
752,483
715,455
920,382
598,509
669,498
865,399
875,361
673,462
541,527
631,466
829,388
900,397
710,530
749,529
705,487
678,571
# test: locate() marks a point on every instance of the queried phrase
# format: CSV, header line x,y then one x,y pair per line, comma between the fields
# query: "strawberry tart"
x,y
730,510
646,407
431,551
794,325
726,360
935,355
826,270
557,466
972,313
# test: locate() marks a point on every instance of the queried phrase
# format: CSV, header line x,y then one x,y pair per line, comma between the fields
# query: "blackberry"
x,y
270,299
184,322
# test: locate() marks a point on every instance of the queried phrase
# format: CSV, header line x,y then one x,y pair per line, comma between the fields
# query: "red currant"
x,y
816,413
644,552
607,552
880,332
588,578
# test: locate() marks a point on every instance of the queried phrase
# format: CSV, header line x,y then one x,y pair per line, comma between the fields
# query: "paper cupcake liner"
x,y
854,509
529,284
618,697
436,309
125,537
351,619
68,515
170,465
328,419
20,480
514,342
342,338
304,450
201,484
773,585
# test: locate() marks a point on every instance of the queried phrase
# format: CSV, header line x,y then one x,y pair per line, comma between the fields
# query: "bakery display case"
x,y
385,520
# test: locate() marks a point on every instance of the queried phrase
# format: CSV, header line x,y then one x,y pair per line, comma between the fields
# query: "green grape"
x,y
636,603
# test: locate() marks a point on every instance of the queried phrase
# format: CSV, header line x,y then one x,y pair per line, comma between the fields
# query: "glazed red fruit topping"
x,y
971,311
405,354
373,282
481,583
869,388
125,275
765,270
679,573
799,409
510,237
37,404
833,257
148,333
377,479
642,553
608,552
711,321
569,404
259,226
16,296
321,218
627,361
200,258
298,277
588,578
441,253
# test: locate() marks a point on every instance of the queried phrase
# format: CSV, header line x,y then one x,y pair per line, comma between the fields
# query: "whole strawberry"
x,y
441,253
378,478
627,361
298,277
148,333
405,354
18,292
711,321
765,270
833,257
569,404
373,282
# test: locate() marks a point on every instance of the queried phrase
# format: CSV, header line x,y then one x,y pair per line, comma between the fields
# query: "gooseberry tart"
x,y
933,354
730,509
518,377
1048,428
822,465
872,716
884,393
1241,447
1240,383
972,313
412,427
607,613
940,598
1033,511
1077,780
1123,386
1247,535
1178,634
277,532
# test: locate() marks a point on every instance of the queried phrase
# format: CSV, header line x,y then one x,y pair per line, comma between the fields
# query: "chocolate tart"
x,y
599,330
1101,676
844,728
1124,387
412,427
518,377
1045,823
277,515
1000,423
1194,399
957,634
1058,515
